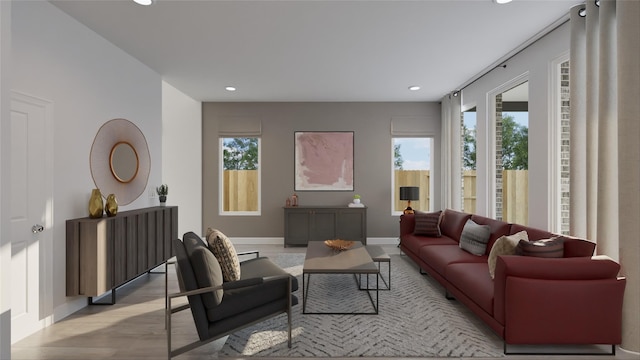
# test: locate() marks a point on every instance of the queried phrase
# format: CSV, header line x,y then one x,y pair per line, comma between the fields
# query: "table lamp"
x,y
409,193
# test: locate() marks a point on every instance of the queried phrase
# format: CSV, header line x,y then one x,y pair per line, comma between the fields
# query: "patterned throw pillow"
x,y
427,224
505,245
226,254
546,248
475,237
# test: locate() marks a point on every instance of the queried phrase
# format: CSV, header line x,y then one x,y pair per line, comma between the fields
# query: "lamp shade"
x,y
409,193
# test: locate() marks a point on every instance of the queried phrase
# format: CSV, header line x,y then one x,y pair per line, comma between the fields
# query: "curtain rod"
x,y
502,61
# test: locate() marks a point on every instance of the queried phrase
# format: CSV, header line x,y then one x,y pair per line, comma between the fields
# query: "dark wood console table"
x,y
105,253
309,223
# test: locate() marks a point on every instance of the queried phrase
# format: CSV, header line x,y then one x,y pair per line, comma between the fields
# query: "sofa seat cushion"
x,y
474,281
439,256
264,267
415,242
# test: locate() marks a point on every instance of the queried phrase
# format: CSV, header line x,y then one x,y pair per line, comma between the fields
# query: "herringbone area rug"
x,y
415,320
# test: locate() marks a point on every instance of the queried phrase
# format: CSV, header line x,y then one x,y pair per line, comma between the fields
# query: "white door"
x,y
30,217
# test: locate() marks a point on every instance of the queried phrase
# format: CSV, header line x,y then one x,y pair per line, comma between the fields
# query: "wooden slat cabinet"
x,y
304,223
105,253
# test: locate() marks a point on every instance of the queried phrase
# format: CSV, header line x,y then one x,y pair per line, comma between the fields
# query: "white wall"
x,y
182,156
5,245
535,63
89,81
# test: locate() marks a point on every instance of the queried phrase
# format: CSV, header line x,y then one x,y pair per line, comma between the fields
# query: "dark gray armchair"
x,y
219,309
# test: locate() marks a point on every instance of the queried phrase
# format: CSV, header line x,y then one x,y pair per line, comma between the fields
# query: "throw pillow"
x,y
428,224
474,238
505,245
223,249
546,248
208,273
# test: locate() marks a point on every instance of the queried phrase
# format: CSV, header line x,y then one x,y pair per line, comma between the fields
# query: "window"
x,y
412,164
240,176
512,155
469,127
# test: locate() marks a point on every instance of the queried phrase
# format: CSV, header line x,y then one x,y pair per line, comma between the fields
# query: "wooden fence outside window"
x,y
241,191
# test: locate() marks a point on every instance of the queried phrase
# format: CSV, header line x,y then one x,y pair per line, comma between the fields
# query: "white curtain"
x,y
451,158
605,136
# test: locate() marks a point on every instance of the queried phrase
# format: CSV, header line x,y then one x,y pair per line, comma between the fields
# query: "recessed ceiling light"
x,y
502,1
414,88
143,2
230,88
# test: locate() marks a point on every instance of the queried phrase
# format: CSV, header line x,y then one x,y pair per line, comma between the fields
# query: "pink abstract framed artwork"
x,y
323,161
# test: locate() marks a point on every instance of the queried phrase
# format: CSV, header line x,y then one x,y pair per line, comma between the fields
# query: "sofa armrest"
x,y
541,300
563,311
407,224
578,268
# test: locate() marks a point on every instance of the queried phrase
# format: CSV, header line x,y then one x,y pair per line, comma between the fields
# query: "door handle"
x,y
37,228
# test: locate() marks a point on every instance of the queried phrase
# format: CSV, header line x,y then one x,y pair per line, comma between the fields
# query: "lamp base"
x,y
408,210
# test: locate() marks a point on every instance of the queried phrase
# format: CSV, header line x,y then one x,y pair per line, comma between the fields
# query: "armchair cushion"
x,y
208,274
226,254
206,269
243,299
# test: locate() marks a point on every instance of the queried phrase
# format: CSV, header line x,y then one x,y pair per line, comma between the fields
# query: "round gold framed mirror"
x,y
120,161
123,162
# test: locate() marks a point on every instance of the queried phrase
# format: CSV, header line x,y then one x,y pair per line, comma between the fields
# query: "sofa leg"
x,y
448,296
422,272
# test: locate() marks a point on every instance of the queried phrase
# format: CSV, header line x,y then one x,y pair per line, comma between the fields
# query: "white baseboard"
x,y
69,308
280,241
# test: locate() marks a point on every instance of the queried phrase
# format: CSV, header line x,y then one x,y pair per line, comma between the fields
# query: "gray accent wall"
x,y
371,124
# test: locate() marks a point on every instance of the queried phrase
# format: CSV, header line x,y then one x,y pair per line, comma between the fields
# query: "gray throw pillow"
x,y
475,237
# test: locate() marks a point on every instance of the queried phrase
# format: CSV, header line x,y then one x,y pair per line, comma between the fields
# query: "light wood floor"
x,y
133,328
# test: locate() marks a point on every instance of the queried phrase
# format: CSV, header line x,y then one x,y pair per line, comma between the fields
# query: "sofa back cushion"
x,y
576,247
573,246
498,229
452,223
533,233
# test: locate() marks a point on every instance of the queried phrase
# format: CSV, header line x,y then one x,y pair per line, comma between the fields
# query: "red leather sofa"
x,y
576,299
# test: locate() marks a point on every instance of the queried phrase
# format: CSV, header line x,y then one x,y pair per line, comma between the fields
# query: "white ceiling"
x,y
309,50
